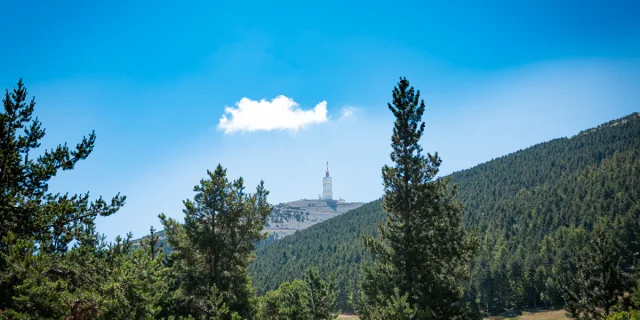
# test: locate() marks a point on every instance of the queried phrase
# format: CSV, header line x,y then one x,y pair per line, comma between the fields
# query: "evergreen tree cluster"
x,y
54,265
555,224
534,211
333,246
308,299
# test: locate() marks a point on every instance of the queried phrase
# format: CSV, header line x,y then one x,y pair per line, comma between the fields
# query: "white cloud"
x,y
281,113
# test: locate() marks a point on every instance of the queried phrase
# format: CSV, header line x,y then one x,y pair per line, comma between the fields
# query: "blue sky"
x,y
153,79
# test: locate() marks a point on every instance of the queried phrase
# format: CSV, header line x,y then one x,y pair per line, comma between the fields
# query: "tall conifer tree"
x,y
423,251
215,244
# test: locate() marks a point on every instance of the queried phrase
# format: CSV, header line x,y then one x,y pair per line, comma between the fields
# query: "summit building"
x,y
327,193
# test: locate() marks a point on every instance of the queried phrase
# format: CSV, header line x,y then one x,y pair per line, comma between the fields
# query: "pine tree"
x,y
152,242
93,280
600,281
323,295
397,308
27,209
30,215
215,244
633,311
423,251
310,299
289,302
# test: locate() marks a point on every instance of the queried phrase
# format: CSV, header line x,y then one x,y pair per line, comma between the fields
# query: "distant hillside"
x,y
287,218
332,245
525,206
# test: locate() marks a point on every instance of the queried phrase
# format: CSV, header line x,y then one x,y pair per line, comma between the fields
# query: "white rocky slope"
x,y
289,217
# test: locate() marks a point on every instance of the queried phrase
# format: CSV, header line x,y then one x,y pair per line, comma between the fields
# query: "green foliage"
x,y
423,250
214,246
289,302
599,282
559,219
333,246
633,313
41,274
625,315
29,212
311,299
322,295
91,281
216,306
533,209
536,220
396,307
151,242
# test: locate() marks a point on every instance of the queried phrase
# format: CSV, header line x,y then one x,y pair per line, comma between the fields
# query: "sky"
x,y
272,90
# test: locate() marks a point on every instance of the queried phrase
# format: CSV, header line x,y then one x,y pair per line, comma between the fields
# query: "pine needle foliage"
x,y
423,250
215,244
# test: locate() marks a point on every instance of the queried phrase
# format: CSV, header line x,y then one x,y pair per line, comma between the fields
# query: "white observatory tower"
x,y
327,194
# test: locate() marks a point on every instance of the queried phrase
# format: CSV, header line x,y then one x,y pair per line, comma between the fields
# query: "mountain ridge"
x,y
515,201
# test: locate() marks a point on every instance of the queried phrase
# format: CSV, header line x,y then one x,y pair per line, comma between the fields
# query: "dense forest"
x,y
528,208
557,224
54,265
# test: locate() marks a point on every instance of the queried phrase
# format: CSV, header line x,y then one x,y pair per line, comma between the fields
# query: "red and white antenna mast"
x,y
327,168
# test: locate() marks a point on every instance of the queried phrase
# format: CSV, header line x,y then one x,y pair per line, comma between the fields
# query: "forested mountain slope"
x,y
529,208
332,246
